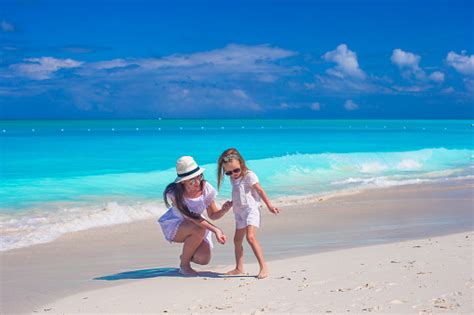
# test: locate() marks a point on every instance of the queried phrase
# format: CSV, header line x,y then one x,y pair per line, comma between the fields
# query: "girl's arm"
x,y
214,213
261,192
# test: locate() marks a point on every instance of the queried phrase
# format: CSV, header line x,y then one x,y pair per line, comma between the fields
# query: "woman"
x,y
187,198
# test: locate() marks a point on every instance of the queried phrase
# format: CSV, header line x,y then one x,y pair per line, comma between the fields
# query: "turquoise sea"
x,y
63,176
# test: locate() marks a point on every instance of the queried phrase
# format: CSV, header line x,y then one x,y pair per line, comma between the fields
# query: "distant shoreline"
x,y
234,119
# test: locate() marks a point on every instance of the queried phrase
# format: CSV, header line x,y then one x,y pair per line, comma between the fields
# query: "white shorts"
x,y
246,217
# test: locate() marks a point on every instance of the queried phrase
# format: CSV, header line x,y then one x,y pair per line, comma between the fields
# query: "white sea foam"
x,y
409,165
291,179
372,167
359,185
44,226
380,182
38,227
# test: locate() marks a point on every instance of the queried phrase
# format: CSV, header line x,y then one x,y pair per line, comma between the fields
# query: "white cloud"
x,y
284,106
268,78
194,81
7,27
409,89
9,48
331,84
315,106
405,59
185,92
409,65
256,62
110,64
346,60
448,90
42,68
350,105
215,100
310,86
469,84
233,57
463,63
437,76
408,62
240,93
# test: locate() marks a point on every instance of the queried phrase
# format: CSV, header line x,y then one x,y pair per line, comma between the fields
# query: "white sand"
x,y
61,277
422,276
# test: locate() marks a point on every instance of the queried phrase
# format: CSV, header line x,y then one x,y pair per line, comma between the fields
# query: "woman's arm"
x,y
214,213
221,238
261,192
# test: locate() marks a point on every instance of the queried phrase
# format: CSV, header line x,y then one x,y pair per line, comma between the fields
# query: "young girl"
x,y
187,198
246,195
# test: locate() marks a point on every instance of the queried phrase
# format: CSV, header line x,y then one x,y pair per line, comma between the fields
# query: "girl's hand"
x,y
220,236
227,205
274,210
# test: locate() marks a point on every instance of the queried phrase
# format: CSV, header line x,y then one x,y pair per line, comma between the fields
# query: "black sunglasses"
x,y
235,170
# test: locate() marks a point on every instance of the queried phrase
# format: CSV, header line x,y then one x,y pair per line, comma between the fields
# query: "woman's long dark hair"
x,y
177,190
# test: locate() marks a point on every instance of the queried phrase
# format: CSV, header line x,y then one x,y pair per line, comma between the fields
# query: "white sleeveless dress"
x,y
172,219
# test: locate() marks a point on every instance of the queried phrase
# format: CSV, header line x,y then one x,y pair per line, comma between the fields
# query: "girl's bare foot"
x,y
187,271
235,271
263,273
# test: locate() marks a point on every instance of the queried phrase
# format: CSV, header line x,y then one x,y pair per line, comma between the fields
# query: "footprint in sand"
x,y
446,303
365,286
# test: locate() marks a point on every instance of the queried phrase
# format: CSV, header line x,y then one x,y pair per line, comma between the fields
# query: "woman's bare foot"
x,y
235,271
187,271
263,273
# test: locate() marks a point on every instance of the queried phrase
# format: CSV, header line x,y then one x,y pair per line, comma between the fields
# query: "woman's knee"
x,y
199,231
202,259
202,256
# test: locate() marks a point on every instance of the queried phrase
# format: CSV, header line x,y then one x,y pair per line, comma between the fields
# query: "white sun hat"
x,y
187,168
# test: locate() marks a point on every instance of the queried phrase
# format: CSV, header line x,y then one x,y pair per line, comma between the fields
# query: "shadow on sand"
x,y
164,272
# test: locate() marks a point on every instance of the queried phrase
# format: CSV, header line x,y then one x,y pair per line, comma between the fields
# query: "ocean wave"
x,y
109,199
359,185
409,165
380,182
40,226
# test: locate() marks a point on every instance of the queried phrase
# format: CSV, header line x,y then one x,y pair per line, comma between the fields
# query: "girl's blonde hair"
x,y
226,157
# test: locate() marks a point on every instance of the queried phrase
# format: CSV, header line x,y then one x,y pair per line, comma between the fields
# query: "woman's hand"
x,y
220,236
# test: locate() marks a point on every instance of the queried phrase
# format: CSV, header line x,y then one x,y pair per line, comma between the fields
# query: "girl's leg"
x,y
257,250
192,236
239,252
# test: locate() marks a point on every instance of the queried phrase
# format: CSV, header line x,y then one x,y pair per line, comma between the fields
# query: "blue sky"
x,y
236,59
